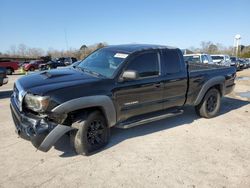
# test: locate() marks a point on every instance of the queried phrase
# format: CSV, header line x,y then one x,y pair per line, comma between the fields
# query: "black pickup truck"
x,y
116,86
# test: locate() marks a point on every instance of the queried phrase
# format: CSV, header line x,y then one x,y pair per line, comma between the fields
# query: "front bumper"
x,y
42,133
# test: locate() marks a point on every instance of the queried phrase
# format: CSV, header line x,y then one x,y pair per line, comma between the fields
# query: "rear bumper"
x,y
43,134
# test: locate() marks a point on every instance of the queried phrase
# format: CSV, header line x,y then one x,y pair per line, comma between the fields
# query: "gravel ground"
x,y
182,151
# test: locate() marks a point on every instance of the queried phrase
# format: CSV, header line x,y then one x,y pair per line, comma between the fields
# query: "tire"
x,y
93,133
9,71
32,69
210,104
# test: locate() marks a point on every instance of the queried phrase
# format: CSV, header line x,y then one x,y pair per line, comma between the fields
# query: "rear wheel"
x,y
92,133
210,105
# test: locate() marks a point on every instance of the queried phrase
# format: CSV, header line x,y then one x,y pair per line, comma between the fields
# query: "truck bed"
x,y
203,67
200,73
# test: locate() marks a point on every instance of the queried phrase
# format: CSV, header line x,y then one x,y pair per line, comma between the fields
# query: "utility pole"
x,y
236,44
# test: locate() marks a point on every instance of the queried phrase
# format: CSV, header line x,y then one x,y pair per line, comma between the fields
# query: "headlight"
x,y
36,103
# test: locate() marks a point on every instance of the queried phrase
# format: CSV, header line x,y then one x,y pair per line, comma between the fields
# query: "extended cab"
x,y
116,86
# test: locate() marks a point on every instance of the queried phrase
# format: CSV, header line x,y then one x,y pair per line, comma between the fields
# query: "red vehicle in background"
x,y
9,65
32,65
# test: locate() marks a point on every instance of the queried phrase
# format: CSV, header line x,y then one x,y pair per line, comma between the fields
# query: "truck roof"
x,y
130,48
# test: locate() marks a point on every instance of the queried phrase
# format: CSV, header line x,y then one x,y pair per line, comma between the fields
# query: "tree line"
x,y
212,48
23,51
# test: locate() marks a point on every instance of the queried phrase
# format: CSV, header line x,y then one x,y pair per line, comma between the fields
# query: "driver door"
x,y
142,95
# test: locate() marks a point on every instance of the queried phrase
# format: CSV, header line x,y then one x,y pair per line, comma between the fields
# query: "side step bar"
x,y
148,120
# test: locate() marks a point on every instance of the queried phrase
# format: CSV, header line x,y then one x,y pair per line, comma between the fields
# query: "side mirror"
x,y
130,75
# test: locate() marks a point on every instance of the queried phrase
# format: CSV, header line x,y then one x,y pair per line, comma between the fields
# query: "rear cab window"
x,y
172,60
146,64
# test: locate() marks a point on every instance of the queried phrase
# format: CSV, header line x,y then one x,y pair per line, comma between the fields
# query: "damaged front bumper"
x,y
42,133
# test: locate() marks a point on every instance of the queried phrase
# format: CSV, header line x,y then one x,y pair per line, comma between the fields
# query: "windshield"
x,y
103,61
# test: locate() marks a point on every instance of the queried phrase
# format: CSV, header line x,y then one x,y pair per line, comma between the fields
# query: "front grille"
x,y
18,94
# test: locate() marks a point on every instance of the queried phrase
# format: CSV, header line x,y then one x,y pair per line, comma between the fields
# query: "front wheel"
x,y
210,105
9,71
92,133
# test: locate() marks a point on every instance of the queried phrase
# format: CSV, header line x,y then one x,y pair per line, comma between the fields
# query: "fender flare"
x,y
102,101
218,80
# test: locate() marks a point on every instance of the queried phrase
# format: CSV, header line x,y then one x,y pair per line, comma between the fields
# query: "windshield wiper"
x,y
93,72
88,71
78,68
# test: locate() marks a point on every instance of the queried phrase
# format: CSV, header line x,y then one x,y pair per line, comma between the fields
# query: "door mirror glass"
x,y
130,75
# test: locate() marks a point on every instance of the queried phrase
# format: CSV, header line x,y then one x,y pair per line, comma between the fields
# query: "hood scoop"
x,y
49,74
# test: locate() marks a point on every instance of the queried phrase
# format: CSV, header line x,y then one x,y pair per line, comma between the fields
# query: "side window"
x,y
146,64
172,61
204,59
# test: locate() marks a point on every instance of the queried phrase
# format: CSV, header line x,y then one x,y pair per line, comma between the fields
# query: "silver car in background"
x,y
198,58
221,59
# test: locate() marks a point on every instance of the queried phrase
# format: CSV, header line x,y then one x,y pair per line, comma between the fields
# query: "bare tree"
x,y
12,51
35,52
22,50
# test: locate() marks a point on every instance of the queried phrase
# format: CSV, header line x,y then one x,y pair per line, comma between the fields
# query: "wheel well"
x,y
219,87
85,111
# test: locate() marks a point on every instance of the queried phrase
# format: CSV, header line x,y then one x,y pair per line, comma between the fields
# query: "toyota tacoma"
x,y
116,86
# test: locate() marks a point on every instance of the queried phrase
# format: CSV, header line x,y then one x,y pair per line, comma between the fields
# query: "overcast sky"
x,y
59,23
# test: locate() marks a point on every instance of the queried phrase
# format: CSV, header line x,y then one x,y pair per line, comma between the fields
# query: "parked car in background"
x,y
9,65
22,63
221,59
69,60
57,62
116,86
235,62
198,58
3,76
76,63
53,64
248,63
244,62
32,65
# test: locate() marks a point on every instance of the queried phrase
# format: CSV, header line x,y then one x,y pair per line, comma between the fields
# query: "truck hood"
x,y
43,82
